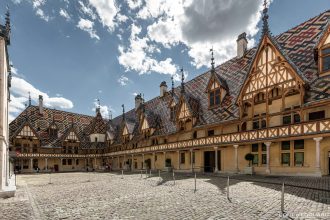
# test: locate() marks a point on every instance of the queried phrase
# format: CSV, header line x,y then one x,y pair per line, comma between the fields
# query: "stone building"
x,y
272,101
7,187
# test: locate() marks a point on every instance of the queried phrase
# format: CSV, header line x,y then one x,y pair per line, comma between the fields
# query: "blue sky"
x,y
73,52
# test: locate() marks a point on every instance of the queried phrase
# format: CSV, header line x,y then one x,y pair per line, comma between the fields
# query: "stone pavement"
x,y
109,196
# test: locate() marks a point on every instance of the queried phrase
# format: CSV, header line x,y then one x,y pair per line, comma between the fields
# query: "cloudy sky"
x,y
74,52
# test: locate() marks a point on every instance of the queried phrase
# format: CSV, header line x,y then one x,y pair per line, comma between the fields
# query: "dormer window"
x,y
323,53
53,131
325,59
214,94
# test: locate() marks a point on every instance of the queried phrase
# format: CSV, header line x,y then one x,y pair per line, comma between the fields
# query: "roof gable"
x,y
269,67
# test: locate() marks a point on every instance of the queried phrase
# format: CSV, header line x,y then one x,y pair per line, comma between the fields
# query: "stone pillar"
x,y
179,160
46,164
153,161
142,161
31,165
191,160
95,163
164,159
22,165
268,157
124,164
317,155
216,169
236,158
132,163
118,162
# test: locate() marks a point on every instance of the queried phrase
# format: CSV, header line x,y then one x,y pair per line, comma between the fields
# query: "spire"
x,y
123,106
212,61
172,79
182,80
98,108
7,25
110,115
265,27
26,112
29,98
72,121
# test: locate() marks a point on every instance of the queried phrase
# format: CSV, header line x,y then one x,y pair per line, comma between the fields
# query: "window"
x,y
95,139
64,162
285,158
325,56
255,150
243,128
77,162
275,93
182,158
285,153
210,133
193,156
69,161
286,119
298,144
263,123
285,145
316,115
296,118
299,158
255,124
259,98
214,94
195,135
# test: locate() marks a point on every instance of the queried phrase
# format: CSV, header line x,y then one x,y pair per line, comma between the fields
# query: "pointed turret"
x,y
182,81
265,26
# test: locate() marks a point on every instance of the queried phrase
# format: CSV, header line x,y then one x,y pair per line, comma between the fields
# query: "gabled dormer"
x,y
126,136
27,132
323,52
53,130
72,136
98,128
216,87
172,107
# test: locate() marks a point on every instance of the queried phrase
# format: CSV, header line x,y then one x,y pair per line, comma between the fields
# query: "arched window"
x,y
243,127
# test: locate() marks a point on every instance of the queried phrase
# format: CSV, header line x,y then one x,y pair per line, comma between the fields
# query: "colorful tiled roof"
x,y
297,45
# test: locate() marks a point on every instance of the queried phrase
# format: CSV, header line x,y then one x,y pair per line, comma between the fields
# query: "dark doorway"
x,y
209,161
56,168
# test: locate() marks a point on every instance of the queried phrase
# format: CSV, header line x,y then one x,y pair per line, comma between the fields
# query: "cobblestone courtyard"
x,y
109,196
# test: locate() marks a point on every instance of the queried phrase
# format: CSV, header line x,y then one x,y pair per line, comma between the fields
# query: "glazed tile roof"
x,y
297,45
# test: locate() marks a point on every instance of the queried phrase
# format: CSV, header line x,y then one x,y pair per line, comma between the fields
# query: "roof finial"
x,y
8,29
72,121
172,79
123,106
110,115
182,80
26,112
212,61
98,108
265,27
29,98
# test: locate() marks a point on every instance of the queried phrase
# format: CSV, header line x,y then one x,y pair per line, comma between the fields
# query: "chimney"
x,y
163,89
41,109
241,44
138,101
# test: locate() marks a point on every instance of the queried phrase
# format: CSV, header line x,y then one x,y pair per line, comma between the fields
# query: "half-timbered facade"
x,y
272,100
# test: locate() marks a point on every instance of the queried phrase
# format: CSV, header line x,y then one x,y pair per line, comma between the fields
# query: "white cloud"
x,y
106,10
42,15
87,25
123,80
65,14
121,18
134,4
20,90
37,3
137,56
87,10
199,25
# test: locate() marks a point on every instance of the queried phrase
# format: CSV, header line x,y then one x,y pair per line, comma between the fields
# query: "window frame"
x,y
322,57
